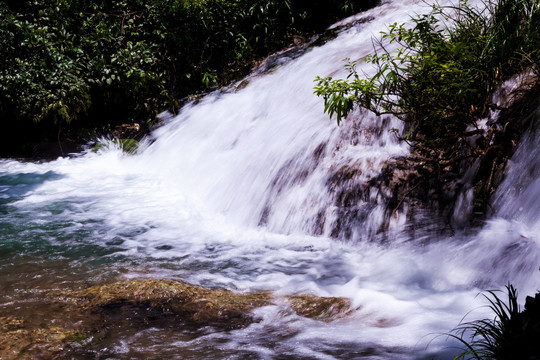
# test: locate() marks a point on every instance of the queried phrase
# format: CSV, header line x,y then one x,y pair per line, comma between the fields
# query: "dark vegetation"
x,y
512,334
440,82
75,68
441,78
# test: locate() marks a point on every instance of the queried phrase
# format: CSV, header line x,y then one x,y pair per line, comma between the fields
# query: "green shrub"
x,y
103,62
129,146
447,64
66,60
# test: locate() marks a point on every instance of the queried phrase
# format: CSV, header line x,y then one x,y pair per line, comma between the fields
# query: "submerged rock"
x,y
197,305
19,342
79,322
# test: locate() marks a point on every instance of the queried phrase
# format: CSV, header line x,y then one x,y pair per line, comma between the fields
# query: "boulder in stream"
x,y
198,305
84,318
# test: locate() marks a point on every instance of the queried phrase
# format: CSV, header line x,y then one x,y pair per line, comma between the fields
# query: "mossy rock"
x,y
319,308
18,341
195,304
199,305
83,318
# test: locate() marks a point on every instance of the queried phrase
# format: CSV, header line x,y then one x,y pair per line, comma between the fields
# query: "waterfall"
x,y
512,236
267,155
254,188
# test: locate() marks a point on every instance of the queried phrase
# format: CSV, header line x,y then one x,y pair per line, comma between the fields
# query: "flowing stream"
x,y
237,192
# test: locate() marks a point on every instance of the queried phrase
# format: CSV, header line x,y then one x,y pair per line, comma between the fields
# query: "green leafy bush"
x,y
446,66
67,61
78,63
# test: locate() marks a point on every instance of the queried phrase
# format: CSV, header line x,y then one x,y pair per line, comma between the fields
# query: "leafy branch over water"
x,y
447,64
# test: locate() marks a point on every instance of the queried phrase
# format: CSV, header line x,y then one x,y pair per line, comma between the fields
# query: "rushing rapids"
x,y
255,189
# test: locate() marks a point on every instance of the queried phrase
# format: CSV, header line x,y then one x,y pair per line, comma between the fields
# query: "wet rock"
x,y
319,308
195,304
19,342
127,131
198,305
438,187
10,323
396,186
81,320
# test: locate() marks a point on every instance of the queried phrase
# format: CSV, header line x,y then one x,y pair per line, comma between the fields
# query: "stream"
x,y
236,192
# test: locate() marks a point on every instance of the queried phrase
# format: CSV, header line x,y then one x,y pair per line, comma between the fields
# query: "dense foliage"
x,y
447,64
91,63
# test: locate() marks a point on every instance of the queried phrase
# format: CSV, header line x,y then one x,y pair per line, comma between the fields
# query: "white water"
x,y
232,194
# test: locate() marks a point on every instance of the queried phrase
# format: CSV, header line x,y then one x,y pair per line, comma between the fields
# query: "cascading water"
x,y
240,191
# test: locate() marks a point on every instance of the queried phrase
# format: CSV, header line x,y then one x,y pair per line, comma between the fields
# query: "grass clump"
x,y
511,335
